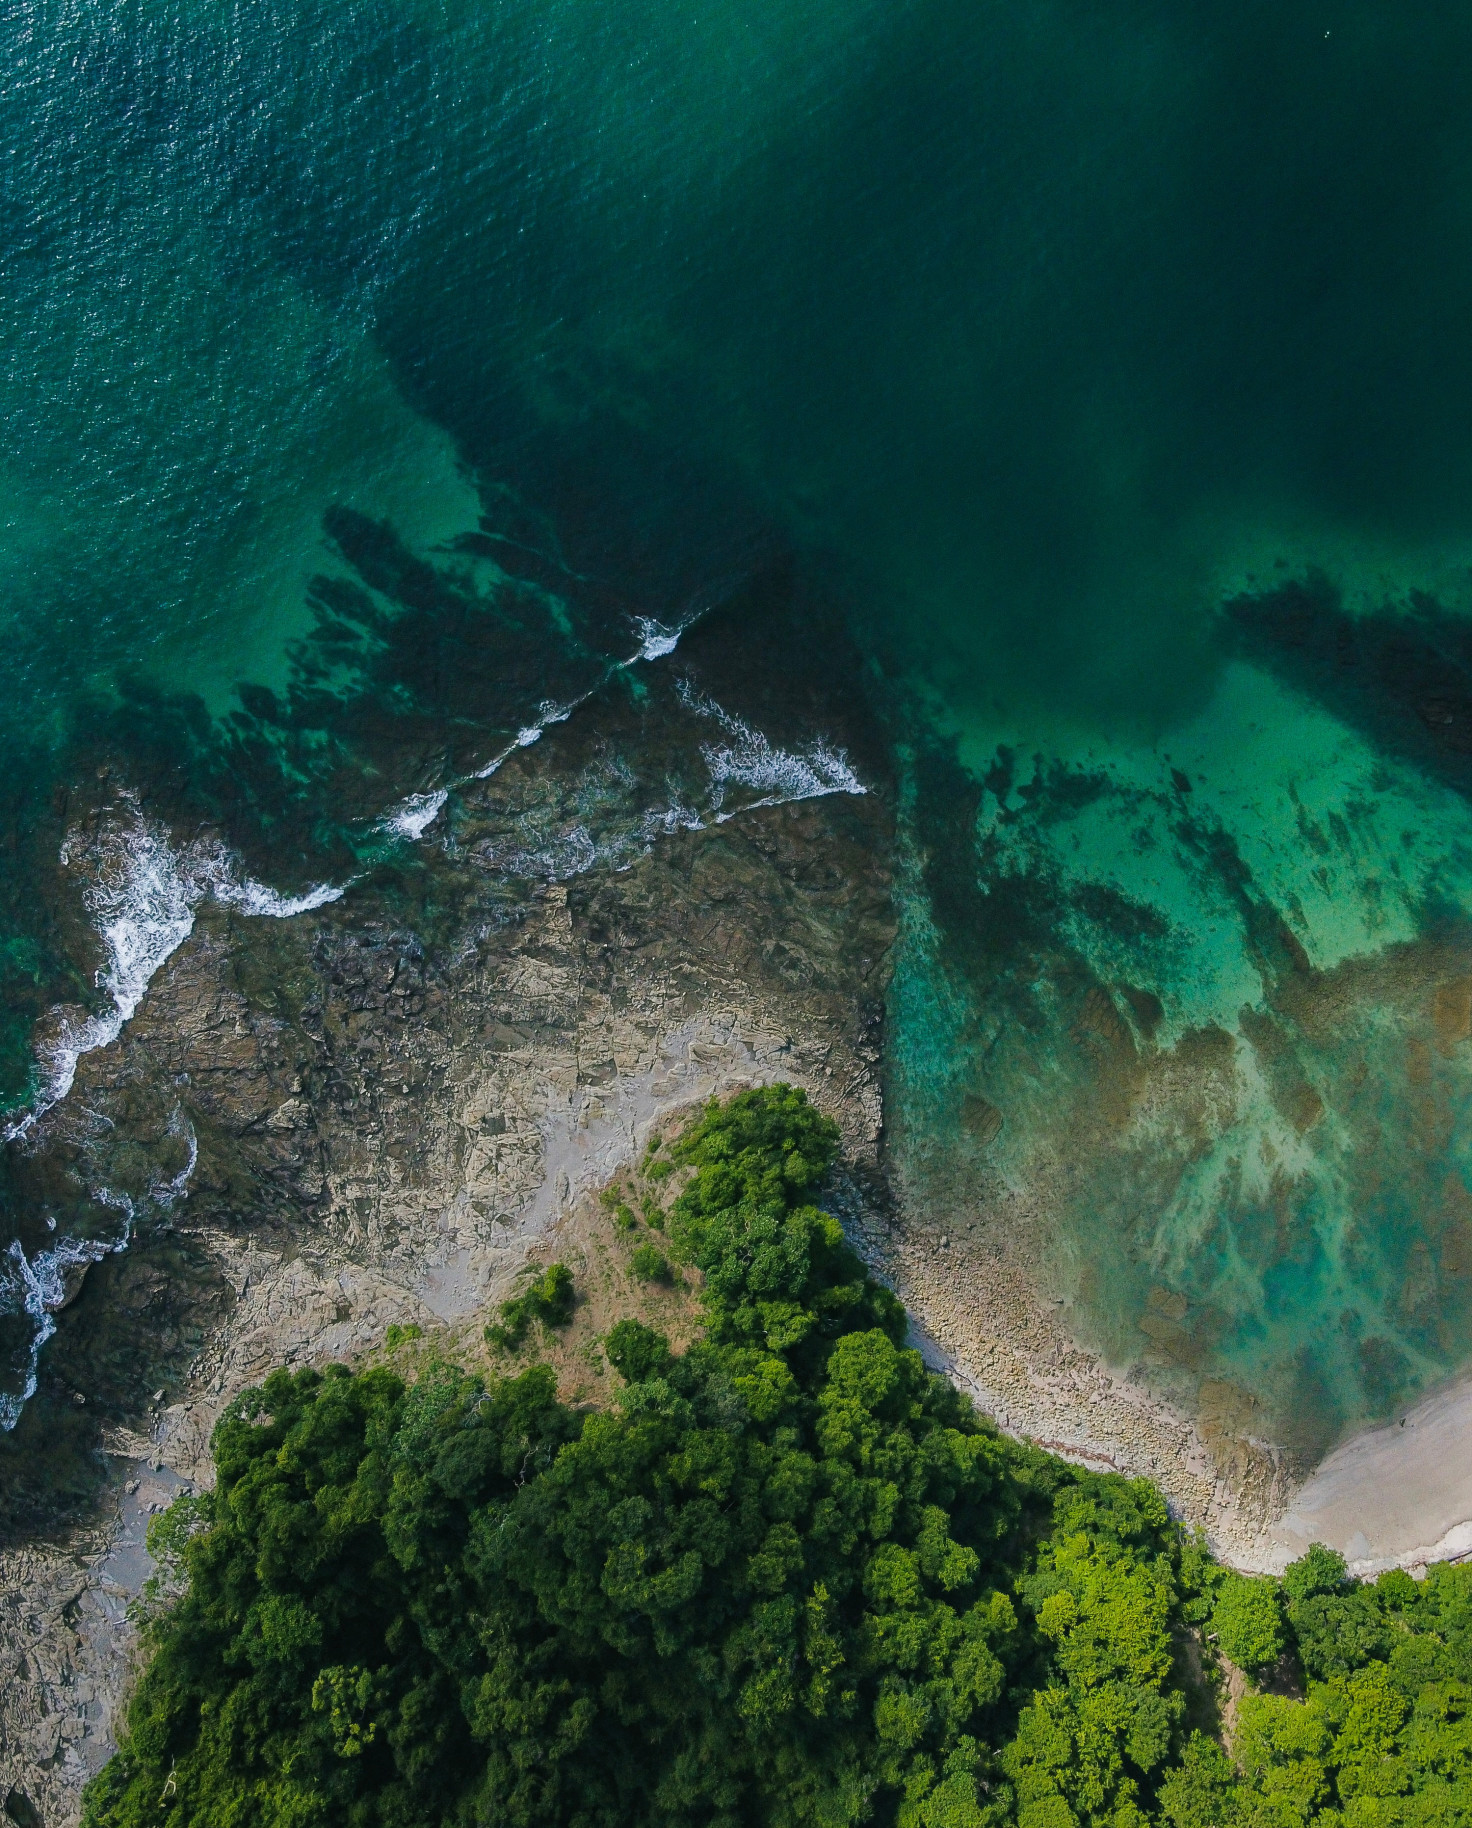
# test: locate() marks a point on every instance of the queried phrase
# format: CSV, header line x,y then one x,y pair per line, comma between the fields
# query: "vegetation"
x,y
790,1578
1248,1622
1383,1736
650,1264
549,1300
623,1214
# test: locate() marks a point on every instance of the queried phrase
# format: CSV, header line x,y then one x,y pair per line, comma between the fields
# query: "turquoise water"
x,y
371,369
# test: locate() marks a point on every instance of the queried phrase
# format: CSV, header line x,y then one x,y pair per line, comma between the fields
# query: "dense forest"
x,y
789,1579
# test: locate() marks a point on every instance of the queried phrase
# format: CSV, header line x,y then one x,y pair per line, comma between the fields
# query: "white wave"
x,y
751,760
549,712
142,905
572,850
778,775
665,822
656,639
166,1193
412,817
546,850
37,1286
520,741
218,882
142,900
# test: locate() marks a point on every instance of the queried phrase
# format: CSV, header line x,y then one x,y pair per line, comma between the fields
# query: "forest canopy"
x,y
789,1577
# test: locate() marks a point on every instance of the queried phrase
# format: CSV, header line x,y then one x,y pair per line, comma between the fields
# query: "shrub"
x,y
650,1264
550,1300
637,1352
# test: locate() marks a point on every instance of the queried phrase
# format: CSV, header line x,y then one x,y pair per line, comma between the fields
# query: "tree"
x,y
1248,1620
1202,1791
789,1578
1337,1623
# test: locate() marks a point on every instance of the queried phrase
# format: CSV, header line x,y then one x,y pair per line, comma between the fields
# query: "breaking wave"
x,y
412,817
143,898
751,760
414,814
599,825
41,1285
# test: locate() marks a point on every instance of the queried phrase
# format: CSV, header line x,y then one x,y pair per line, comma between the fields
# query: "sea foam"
x,y
414,814
40,1286
657,640
750,759
412,817
143,898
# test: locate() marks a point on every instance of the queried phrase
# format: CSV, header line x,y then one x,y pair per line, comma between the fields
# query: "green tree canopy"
x,y
789,1579
1248,1621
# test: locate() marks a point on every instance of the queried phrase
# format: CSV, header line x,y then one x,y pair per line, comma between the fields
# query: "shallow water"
x,y
373,371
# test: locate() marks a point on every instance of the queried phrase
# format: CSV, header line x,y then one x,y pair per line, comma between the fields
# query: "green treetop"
x,y
789,1580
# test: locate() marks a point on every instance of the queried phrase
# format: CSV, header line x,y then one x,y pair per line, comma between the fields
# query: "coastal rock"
x,y
382,1134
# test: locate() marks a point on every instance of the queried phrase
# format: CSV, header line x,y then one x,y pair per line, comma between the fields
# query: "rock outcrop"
x,y
379,1108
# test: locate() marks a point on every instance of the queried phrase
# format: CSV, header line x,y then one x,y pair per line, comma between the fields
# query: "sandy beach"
x,y
1395,1496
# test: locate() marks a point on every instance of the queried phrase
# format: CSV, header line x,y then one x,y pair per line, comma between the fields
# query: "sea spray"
x,y
750,759
596,823
41,1285
143,899
656,639
413,815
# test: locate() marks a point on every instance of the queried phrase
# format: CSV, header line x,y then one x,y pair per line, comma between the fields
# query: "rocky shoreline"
x,y
382,1136
388,1105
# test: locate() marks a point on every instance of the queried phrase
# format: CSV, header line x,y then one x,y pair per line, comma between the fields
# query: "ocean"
x,y
381,379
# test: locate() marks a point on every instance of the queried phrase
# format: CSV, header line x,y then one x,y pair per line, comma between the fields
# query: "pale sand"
x,y
1397,1496
1393,1496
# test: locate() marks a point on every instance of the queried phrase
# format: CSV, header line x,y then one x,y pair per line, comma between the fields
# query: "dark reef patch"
x,y
1401,674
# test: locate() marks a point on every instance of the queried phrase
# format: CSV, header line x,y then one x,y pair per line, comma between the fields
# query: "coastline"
x,y
980,1319
1394,1496
383,1137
